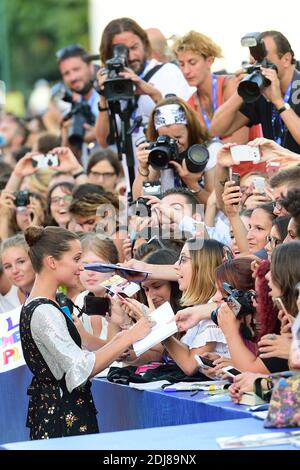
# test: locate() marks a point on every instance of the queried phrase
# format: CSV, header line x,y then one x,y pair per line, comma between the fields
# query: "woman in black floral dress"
x,y
61,402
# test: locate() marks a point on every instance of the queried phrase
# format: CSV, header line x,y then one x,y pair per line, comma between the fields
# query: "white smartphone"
x,y
45,161
259,184
231,371
245,153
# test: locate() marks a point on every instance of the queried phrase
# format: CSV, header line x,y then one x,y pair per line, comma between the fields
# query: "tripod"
x,y
123,138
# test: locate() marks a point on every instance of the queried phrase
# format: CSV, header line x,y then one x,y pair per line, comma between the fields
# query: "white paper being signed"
x,y
165,326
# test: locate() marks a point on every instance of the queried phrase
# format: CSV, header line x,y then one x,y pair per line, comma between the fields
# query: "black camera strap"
x,y
146,78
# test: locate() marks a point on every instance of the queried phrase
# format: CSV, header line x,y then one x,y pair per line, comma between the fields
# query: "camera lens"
x,y
250,87
197,158
159,157
214,316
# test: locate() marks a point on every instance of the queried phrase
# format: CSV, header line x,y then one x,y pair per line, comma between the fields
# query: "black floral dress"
x,y
53,411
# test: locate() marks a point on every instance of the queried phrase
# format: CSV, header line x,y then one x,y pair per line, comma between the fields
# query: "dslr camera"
x,y
165,149
140,208
239,301
116,87
250,87
22,198
79,115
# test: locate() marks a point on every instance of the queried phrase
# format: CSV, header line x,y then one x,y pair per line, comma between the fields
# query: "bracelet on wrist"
x,y
143,174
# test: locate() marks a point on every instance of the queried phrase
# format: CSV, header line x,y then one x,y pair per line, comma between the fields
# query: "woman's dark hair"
x,y
291,203
237,273
67,188
268,207
49,241
281,224
102,155
285,270
165,256
282,44
155,244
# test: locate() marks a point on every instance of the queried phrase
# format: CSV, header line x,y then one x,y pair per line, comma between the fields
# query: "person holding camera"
x,y
176,141
151,80
267,95
78,74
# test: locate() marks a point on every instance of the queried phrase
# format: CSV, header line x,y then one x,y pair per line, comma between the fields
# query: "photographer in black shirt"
x,y
277,107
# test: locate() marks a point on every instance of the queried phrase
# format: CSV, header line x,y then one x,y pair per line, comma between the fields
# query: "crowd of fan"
x,y
204,228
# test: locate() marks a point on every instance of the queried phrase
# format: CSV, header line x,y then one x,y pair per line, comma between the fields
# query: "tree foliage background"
x,y
36,29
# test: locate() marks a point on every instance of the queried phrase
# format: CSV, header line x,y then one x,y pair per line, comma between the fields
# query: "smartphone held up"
x,y
245,153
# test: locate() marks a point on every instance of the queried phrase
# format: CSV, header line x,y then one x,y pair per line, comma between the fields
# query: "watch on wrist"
x,y
285,107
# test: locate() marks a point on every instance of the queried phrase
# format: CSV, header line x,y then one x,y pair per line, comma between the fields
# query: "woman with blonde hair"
x,y
196,54
196,278
17,267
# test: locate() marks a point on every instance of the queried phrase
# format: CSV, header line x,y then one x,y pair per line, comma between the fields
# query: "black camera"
x,y
250,87
140,208
96,305
165,149
115,87
22,198
239,301
79,115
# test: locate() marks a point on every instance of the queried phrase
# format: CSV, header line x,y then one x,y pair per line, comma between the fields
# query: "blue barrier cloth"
x,y
187,437
120,407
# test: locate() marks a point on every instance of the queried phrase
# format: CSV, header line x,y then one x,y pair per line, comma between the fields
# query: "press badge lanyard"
x,y
214,101
275,115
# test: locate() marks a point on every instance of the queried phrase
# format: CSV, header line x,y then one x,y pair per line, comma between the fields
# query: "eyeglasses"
x,y
106,175
273,241
58,199
183,259
69,51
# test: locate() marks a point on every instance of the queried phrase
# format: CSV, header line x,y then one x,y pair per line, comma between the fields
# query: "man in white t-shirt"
x,y
166,79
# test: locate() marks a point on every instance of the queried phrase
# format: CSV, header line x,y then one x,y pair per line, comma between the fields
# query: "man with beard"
x,y
77,73
166,79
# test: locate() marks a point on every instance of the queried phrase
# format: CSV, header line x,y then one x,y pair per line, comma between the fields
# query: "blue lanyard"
x,y
214,102
275,116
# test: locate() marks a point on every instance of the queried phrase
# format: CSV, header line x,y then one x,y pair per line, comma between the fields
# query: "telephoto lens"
x,y
197,158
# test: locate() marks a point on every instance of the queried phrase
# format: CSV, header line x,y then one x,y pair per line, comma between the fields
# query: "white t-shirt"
x,y
10,300
206,331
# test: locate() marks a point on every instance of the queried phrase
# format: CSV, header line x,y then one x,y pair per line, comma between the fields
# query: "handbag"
x,y
284,408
